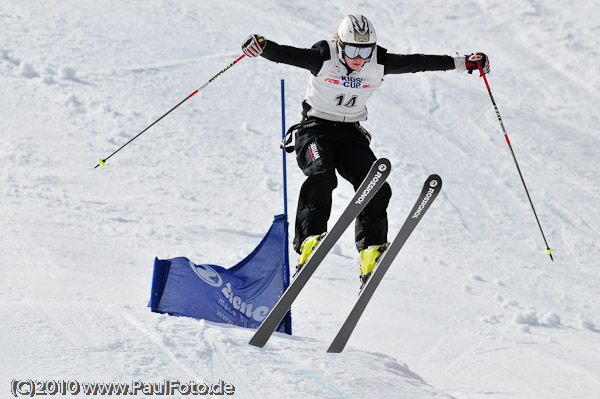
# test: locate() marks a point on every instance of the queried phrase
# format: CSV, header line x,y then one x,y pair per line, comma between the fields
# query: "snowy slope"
x,y
472,307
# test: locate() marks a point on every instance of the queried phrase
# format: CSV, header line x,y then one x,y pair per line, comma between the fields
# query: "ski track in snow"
x,y
472,304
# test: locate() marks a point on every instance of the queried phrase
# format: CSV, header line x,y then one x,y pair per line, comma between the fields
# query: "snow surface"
x,y
472,307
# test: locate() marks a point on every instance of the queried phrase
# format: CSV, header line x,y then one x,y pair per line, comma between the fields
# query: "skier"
x,y
345,71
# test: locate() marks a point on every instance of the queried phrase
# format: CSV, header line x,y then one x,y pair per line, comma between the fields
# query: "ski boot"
x,y
369,258
307,249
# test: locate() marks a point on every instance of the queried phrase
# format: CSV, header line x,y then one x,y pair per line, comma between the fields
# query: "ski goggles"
x,y
352,51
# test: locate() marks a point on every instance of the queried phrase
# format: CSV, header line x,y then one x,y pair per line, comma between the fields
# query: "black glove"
x,y
475,60
253,45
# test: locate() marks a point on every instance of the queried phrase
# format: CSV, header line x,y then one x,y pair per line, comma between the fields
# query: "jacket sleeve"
x,y
311,59
410,63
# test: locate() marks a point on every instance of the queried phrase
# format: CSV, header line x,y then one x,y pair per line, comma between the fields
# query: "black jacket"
x,y
313,58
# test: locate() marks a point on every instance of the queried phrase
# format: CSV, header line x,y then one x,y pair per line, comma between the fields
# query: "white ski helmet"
x,y
358,32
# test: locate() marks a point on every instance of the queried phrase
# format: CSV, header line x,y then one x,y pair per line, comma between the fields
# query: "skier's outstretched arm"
x,y
410,63
311,59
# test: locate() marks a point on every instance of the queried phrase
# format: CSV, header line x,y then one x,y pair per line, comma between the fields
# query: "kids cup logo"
x,y
207,274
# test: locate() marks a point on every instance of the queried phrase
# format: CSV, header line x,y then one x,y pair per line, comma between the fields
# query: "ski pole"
x,y
548,249
103,161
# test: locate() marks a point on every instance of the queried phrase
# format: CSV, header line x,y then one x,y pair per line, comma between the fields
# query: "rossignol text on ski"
x,y
370,187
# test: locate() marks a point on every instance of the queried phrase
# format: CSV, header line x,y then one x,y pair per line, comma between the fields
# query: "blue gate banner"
x,y
242,295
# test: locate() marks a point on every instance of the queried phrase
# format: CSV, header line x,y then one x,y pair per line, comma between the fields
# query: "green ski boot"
x,y
369,258
307,249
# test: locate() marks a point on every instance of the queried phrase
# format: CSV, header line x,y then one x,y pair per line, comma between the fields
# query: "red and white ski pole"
x,y
548,249
103,161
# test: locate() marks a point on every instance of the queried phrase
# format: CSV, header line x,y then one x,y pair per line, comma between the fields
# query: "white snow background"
x,y
471,308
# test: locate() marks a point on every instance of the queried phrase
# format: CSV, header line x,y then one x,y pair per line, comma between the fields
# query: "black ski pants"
x,y
322,148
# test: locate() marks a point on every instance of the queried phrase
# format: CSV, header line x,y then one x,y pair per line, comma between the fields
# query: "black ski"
x,y
431,188
368,188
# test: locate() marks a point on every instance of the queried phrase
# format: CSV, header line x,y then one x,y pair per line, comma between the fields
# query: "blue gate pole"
x,y
285,210
286,256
